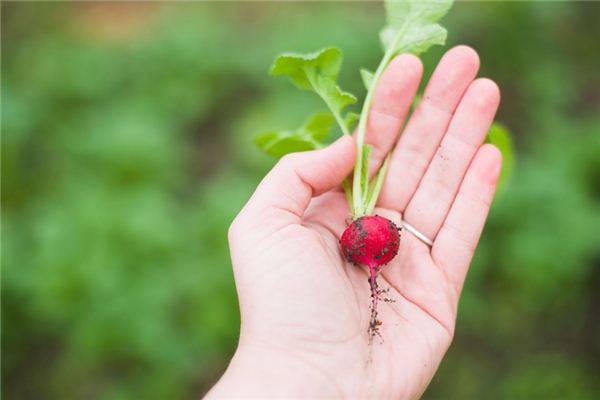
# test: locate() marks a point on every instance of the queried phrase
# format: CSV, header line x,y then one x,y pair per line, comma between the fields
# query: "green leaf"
x,y
411,25
301,68
350,120
367,77
309,136
317,72
318,126
499,136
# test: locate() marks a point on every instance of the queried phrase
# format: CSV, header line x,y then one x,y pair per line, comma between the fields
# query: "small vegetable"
x,y
372,241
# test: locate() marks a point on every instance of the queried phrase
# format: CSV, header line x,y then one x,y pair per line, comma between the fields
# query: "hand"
x,y
305,311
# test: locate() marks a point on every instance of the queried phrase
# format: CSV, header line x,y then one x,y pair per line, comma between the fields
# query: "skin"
x,y
305,311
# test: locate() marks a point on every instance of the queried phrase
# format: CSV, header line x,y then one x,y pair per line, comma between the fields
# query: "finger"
x,y
284,194
455,244
427,125
429,206
391,101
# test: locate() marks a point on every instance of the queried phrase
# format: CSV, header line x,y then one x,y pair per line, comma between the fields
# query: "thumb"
x,y
297,177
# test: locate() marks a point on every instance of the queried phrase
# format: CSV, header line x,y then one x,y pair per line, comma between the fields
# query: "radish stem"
x,y
360,206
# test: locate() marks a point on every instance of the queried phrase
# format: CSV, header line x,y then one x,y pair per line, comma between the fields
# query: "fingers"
x,y
427,125
430,204
455,244
391,101
284,194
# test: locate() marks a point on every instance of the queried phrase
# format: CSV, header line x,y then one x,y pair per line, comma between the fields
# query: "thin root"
x,y
374,323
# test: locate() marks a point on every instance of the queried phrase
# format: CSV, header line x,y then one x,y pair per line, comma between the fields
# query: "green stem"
x,y
376,188
338,118
357,189
335,113
360,208
344,128
346,183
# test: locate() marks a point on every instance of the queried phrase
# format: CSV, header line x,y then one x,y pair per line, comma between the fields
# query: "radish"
x,y
369,241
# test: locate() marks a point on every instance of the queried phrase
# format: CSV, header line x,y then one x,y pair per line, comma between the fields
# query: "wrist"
x,y
265,372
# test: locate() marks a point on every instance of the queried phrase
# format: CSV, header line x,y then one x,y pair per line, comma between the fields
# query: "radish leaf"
x,y
411,25
351,119
367,77
307,137
317,72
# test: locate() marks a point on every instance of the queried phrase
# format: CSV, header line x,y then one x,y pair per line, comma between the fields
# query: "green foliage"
x,y
411,25
309,136
351,119
367,77
126,153
317,72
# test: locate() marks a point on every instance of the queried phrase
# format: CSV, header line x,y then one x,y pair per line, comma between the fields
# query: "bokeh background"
x,y
127,150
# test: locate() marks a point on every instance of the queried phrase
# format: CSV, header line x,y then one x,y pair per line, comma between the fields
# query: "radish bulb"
x,y
371,241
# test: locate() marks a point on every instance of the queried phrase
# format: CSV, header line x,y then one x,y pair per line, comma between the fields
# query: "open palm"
x,y
305,311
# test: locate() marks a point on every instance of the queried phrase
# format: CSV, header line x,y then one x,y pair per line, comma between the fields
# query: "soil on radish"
x,y
371,241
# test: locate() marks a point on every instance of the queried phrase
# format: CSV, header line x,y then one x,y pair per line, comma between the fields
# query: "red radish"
x,y
371,241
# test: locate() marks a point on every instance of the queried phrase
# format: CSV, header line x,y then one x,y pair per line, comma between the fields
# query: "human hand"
x,y
304,309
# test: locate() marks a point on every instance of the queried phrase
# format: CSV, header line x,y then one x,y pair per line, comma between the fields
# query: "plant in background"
x,y
411,27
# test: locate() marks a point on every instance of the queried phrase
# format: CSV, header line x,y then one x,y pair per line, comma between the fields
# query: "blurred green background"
x,y
127,150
